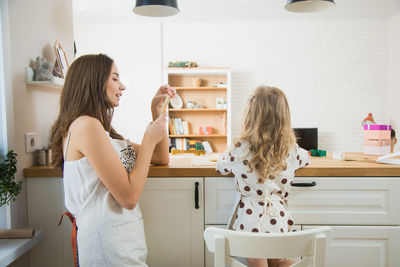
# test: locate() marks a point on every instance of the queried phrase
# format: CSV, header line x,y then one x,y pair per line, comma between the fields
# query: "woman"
x,y
104,174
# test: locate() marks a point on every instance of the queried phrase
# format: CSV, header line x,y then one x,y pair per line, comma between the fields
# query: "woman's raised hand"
x,y
156,130
158,99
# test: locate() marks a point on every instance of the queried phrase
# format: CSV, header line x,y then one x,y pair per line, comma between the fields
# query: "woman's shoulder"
x,y
87,125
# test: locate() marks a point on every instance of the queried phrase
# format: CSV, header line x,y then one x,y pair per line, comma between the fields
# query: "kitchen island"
x,y
357,198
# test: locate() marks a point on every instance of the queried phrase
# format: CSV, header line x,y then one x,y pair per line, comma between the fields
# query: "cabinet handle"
x,y
304,184
196,195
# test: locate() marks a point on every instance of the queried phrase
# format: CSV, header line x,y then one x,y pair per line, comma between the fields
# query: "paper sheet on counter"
x,y
206,160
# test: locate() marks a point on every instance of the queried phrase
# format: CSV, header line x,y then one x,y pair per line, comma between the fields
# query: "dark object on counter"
x,y
41,157
318,153
307,138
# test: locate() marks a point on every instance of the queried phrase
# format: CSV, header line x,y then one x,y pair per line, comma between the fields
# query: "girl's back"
x,y
262,206
263,159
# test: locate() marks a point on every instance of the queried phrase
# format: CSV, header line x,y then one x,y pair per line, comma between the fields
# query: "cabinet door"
x,y
45,206
346,201
173,226
220,195
367,246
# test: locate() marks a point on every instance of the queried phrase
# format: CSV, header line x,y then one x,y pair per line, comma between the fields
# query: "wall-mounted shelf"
x,y
207,87
56,82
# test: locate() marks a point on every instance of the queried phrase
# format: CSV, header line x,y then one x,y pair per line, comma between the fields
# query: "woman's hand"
x,y
158,99
156,130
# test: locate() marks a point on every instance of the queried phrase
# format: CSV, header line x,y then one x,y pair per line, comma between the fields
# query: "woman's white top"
x,y
84,191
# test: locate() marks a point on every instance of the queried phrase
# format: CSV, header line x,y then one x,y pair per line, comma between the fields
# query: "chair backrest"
x,y
308,244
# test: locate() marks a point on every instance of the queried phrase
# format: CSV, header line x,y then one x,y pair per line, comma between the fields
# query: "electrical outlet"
x,y
30,142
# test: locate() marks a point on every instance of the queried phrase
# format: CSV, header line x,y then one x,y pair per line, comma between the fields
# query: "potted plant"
x,y
9,188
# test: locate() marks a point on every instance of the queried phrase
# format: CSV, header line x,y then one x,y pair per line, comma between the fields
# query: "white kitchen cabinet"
x,y
220,193
346,200
367,246
173,225
45,206
363,211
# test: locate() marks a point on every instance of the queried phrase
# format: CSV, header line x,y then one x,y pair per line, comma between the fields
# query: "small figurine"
x,y
368,120
42,70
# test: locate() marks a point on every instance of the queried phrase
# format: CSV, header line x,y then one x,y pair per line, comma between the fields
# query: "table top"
x,y
357,165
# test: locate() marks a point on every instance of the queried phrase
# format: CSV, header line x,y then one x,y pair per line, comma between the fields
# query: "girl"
x,y
263,159
104,174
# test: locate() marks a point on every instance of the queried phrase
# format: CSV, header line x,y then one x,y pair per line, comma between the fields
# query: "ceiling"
x,y
233,10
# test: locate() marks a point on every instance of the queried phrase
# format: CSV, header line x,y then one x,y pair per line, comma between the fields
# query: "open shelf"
x,y
56,82
200,86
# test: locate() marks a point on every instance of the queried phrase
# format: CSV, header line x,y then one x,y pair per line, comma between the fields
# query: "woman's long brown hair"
x,y
84,93
267,130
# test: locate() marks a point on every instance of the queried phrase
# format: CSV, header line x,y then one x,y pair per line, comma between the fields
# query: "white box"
x,y
377,150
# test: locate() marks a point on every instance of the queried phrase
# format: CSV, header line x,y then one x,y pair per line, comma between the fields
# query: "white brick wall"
x,y
333,72
393,95
135,48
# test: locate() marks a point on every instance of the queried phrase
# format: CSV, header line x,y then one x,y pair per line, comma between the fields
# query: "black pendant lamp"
x,y
304,6
156,8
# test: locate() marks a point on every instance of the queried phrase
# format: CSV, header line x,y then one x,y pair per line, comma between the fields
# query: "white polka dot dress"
x,y
262,207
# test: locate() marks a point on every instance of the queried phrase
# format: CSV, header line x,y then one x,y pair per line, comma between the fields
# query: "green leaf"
x,y
9,188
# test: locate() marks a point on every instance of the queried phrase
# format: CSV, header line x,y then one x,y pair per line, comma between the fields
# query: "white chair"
x,y
308,244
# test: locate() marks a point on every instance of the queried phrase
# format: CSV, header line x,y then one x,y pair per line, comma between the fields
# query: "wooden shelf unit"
x,y
205,94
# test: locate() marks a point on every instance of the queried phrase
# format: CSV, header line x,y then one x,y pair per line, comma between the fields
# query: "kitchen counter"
x,y
361,165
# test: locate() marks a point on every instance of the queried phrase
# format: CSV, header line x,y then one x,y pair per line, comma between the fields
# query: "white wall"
x,y
136,50
34,27
333,72
393,96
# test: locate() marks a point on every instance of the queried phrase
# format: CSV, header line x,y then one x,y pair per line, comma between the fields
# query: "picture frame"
x,y
61,66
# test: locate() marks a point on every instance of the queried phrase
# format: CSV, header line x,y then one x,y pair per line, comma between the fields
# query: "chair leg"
x,y
320,250
219,255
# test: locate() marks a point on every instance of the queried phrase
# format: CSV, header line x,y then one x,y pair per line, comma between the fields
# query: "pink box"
x,y
376,134
377,127
375,142
377,150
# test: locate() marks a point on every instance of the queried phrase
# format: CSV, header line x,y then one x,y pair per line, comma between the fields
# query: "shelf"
x,y
12,249
209,87
196,110
56,82
197,135
200,71
200,88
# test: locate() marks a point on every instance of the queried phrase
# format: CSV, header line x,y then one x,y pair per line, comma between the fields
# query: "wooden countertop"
x,y
361,165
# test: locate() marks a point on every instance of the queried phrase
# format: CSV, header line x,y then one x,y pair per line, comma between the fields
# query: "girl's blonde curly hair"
x,y
267,130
